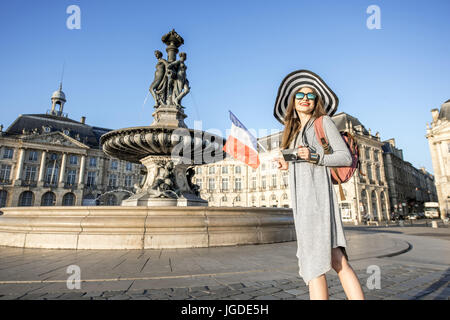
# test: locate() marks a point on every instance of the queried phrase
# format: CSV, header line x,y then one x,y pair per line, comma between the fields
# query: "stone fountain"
x,y
167,148
166,211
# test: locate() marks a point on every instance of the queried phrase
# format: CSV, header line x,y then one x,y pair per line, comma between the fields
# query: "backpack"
x,y
339,175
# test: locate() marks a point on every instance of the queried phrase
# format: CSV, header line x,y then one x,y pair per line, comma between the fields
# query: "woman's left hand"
x,y
303,153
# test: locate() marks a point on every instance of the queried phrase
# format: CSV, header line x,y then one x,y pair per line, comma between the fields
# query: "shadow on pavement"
x,y
443,281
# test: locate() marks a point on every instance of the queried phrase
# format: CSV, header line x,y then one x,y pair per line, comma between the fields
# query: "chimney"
x,y
392,142
83,120
435,114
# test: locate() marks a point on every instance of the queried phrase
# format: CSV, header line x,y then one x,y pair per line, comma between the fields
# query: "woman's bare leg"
x,y
318,288
347,276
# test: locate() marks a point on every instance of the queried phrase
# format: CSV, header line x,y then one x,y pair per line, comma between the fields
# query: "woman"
x,y
303,97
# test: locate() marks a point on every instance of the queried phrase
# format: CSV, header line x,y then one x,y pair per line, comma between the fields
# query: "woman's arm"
x,y
340,156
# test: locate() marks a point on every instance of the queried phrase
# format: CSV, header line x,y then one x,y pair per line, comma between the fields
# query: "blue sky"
x,y
237,54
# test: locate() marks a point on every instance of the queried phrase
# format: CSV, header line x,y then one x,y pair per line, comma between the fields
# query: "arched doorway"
x,y
364,205
384,210
3,198
68,199
48,199
89,200
373,197
26,199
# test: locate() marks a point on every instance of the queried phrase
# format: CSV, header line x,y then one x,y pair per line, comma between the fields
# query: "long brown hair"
x,y
292,122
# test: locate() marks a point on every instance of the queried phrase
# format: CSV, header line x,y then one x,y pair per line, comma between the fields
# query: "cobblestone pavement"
x,y
398,282
413,265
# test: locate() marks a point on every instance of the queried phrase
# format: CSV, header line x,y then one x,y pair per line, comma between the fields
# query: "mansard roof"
x,y
45,123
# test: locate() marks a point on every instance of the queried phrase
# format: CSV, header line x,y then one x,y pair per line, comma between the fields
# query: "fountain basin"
x,y
135,143
104,227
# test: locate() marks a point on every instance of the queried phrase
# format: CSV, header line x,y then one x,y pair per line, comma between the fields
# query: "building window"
x,y
26,199
51,176
211,184
237,184
48,199
212,170
90,179
263,166
367,153
377,170
285,179
112,180
225,184
274,180
237,169
285,196
199,182
346,211
129,166
225,169
53,156
263,182
73,159
369,171
32,156
69,199
66,132
30,173
5,172
71,176
199,170
46,129
8,153
3,198
128,181
375,156
254,182
92,162
114,164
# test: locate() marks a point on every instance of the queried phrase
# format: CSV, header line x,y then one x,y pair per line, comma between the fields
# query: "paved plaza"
x,y
413,262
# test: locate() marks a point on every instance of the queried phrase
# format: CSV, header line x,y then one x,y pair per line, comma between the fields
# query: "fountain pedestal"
x,y
167,183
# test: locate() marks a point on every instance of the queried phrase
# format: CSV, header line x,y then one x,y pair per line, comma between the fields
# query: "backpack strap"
x,y
320,134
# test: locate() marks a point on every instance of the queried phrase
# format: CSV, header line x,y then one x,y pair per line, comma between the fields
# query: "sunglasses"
x,y
301,95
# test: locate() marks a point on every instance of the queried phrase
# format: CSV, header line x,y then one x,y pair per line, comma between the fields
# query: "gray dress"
x,y
315,207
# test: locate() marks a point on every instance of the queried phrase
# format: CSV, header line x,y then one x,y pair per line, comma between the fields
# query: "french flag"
x,y
241,144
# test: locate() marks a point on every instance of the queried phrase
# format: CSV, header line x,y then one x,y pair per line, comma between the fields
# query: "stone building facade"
x,y
409,187
49,159
438,135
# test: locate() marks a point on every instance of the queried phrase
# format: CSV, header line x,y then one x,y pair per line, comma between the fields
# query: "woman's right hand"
x,y
282,164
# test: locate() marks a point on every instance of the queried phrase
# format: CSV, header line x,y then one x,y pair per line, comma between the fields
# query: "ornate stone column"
x,y
81,176
42,169
18,178
62,173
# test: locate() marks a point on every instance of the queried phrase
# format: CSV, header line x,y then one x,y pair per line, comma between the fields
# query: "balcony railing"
x,y
29,183
5,181
70,185
50,184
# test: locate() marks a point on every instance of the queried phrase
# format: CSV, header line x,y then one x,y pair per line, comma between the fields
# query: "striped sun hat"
x,y
296,80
